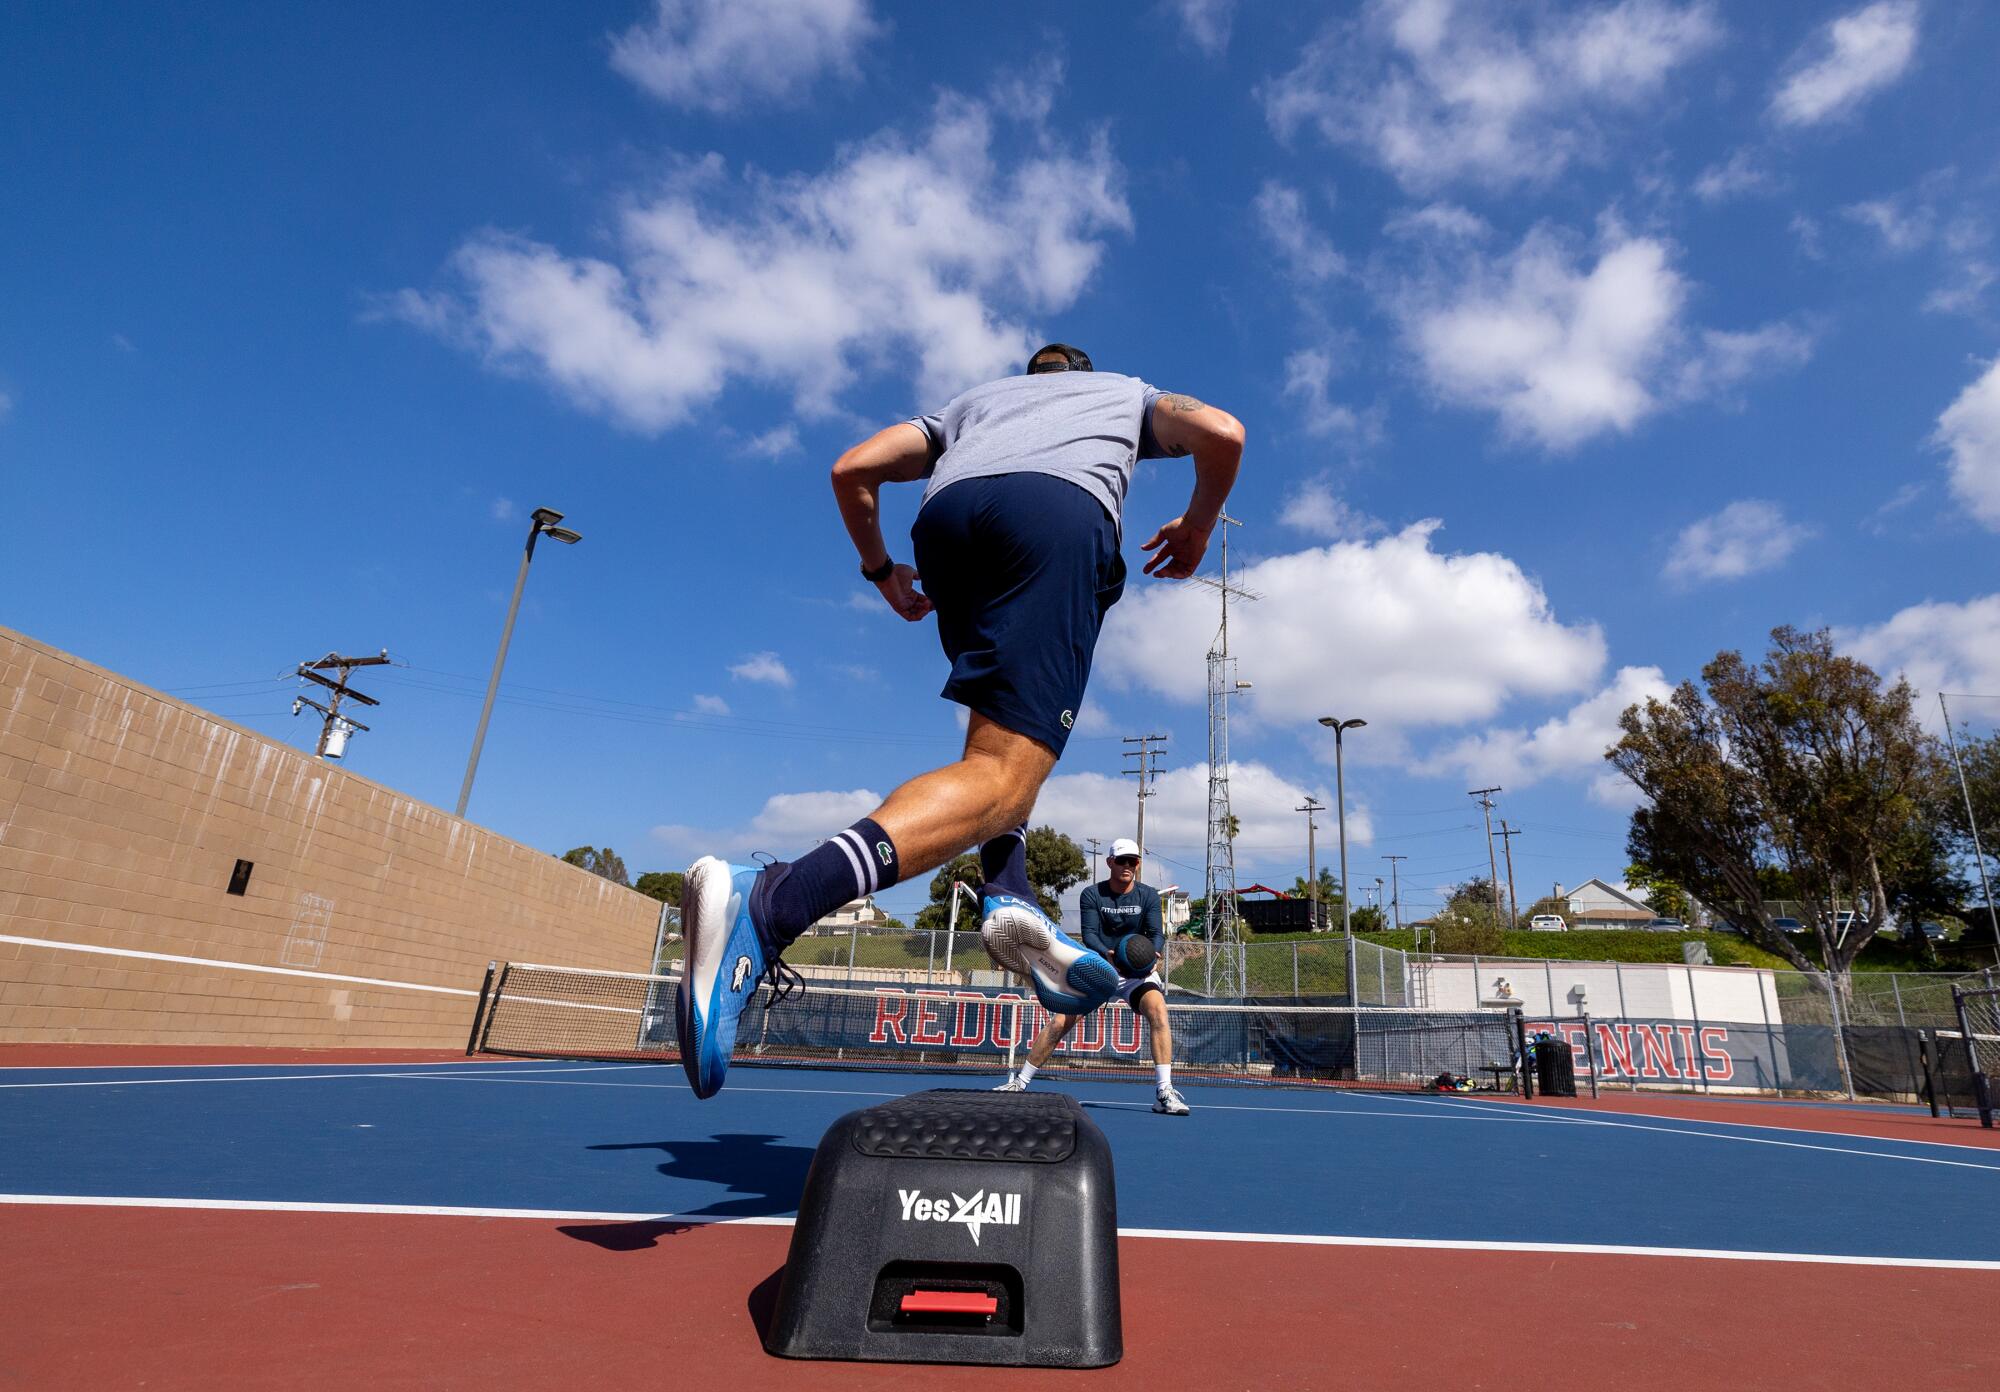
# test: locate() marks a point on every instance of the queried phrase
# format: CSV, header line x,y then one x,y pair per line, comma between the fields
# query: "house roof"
x,y
1619,892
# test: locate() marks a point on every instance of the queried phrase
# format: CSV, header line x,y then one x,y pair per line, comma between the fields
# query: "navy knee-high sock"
x,y
858,861
1004,863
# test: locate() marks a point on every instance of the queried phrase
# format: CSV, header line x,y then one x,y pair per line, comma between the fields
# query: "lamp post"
x,y
544,520
1339,728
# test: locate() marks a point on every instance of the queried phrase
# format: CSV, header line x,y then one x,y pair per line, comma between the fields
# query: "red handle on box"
x,y
925,1302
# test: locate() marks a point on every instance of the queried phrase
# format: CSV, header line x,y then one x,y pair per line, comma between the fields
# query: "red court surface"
x,y
194,1299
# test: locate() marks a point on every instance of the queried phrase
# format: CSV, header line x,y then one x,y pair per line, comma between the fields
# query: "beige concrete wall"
x,y
122,814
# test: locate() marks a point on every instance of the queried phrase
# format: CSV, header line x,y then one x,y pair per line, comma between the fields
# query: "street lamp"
x,y
543,521
1339,728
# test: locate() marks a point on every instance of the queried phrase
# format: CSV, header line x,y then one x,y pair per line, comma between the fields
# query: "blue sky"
x,y
1574,343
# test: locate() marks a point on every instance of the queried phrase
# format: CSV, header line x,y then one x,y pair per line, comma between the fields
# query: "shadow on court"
x,y
763,1178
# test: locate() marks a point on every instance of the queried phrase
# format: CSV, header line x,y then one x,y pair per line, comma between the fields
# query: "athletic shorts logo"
x,y
739,973
885,851
982,1208
1068,719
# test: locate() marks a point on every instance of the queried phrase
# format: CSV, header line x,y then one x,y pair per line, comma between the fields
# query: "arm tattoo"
x,y
1180,404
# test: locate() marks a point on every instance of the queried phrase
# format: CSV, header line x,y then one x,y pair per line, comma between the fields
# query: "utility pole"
x,y
335,728
1095,842
1485,796
1395,889
1507,835
1972,823
1312,805
1220,933
1145,768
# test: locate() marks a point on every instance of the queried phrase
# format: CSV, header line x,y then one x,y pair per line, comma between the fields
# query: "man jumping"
x,y
1017,546
1118,909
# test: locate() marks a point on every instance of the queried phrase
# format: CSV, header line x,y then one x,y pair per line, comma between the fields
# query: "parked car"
x,y
1788,925
1547,923
1666,925
1934,931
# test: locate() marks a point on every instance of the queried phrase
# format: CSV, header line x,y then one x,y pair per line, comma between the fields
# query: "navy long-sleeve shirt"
x,y
1107,917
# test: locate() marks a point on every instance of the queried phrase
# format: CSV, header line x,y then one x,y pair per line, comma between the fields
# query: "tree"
x,y
663,885
1329,897
1668,899
1981,760
1805,763
1549,904
1368,919
598,860
1477,890
1054,864
1467,926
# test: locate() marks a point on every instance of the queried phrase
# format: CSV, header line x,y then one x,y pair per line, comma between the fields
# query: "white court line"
x,y
1627,1126
359,1071
1170,1234
60,946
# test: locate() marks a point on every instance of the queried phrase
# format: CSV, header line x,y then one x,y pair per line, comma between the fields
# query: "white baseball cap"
x,y
1123,846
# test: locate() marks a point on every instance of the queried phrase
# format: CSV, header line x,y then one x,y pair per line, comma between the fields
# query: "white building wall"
x,y
1634,990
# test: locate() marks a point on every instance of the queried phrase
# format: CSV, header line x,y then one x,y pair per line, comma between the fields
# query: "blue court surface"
x,y
610,1141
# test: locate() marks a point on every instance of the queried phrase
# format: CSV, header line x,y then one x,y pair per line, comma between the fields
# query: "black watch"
x,y
880,573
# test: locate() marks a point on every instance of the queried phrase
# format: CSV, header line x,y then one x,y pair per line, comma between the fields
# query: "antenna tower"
x,y
1224,969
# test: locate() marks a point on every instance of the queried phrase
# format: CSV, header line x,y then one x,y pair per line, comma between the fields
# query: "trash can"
x,y
1555,1067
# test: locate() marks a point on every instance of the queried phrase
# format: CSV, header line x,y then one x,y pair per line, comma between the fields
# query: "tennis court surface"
x,y
411,1222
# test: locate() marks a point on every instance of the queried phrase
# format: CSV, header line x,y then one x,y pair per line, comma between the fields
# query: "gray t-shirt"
x,y
1087,427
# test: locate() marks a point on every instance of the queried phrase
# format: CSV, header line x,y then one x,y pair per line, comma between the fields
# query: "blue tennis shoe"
x,y
726,958
1068,977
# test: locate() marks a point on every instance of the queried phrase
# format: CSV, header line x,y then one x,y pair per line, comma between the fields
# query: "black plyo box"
x,y
1006,1199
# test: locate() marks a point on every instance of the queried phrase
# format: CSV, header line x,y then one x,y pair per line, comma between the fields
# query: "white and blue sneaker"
x,y
725,959
1068,977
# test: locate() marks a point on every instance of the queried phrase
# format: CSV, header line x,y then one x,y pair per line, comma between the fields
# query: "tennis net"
x,y
533,1011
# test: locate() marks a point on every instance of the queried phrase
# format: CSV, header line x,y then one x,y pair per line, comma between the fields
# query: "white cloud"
x,y
1739,174
788,825
1933,215
123,344
1093,719
1564,351
1272,833
1970,430
1205,23
1436,91
1570,745
775,443
762,667
1281,212
924,250
1938,646
1902,225
710,705
1719,359
501,509
1312,507
1850,60
1388,629
6,404
1743,539
721,55
1307,373
1438,222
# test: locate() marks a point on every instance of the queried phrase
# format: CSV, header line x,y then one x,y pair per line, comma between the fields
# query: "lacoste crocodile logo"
x,y
739,973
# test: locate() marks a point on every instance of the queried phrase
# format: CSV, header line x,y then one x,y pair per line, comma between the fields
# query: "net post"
x,y
1926,1053
1520,1024
1982,1095
499,990
479,1010
1589,1054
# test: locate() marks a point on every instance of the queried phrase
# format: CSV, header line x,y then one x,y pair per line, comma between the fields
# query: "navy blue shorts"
x,y
1021,569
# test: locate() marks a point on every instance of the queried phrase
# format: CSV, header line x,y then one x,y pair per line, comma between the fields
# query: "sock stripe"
x,y
867,858
854,863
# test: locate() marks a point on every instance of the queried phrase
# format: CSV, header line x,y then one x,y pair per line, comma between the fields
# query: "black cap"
x,y
1073,359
